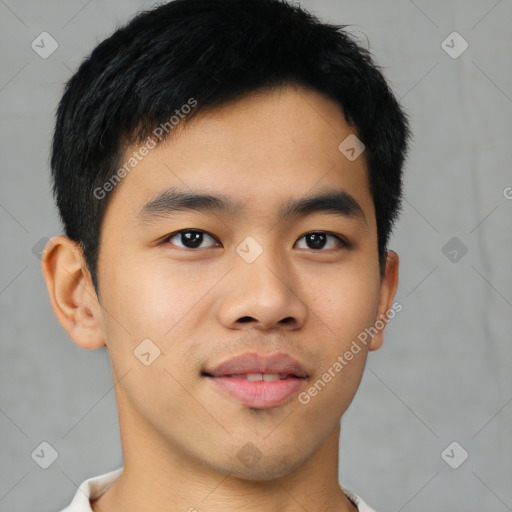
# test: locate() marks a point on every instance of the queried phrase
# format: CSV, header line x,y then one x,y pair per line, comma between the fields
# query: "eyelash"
x,y
343,243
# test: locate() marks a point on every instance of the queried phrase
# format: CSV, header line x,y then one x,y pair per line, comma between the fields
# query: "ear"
x,y
72,294
388,289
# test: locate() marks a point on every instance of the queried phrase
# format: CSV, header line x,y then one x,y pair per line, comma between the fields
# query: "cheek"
x,y
159,303
329,394
345,304
145,319
147,301
344,308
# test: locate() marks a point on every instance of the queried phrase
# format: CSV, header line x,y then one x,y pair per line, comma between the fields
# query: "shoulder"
x,y
91,489
357,501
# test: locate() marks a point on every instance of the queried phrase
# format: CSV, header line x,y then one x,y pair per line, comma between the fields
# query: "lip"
x,y
228,377
252,362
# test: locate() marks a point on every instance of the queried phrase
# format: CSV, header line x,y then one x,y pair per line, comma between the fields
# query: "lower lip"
x,y
260,394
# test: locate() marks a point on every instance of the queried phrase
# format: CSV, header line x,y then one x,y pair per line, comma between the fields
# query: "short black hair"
x,y
213,51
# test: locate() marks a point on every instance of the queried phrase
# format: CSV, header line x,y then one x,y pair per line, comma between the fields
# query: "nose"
x,y
262,295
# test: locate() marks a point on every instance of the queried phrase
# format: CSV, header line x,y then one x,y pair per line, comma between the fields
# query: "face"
x,y
187,286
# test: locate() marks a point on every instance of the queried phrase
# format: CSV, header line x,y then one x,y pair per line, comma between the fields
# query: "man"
x,y
228,173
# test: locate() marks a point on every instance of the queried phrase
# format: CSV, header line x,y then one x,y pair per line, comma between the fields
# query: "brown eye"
x,y
190,239
318,240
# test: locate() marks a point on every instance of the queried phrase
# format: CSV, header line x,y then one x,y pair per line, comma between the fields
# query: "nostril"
x,y
245,319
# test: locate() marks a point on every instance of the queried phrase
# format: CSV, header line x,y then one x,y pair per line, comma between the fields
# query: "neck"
x,y
157,476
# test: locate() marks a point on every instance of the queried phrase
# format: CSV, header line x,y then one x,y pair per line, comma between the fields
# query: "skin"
x,y
180,436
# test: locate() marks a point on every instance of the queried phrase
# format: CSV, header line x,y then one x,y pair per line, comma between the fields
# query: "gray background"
x,y
444,372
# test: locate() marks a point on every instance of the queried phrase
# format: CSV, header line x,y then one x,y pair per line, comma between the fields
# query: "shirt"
x,y
94,487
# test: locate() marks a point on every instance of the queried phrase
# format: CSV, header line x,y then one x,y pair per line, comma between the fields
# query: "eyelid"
x,y
187,230
340,238
343,242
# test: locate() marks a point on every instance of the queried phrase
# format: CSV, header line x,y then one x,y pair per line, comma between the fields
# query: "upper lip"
x,y
247,363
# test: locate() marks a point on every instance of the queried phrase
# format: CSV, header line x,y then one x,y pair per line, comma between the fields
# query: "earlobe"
x,y
389,286
71,292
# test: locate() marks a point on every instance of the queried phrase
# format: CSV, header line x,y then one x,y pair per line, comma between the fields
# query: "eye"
x,y
318,240
195,239
190,238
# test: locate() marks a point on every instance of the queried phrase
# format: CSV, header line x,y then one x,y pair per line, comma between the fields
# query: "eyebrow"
x,y
334,201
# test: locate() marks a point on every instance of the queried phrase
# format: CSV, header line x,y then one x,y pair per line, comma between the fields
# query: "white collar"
x,y
93,488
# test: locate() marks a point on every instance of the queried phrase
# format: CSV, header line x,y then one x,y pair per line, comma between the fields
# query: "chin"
x,y
260,469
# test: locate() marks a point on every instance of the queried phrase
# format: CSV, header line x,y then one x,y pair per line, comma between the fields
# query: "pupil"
x,y
317,240
192,238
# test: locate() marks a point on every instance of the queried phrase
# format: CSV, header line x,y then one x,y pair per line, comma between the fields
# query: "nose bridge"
x,y
267,274
259,268
262,292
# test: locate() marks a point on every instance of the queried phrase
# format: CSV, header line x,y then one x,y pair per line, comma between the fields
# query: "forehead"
x,y
261,151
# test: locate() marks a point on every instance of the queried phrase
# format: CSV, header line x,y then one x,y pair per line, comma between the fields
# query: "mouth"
x,y
258,381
